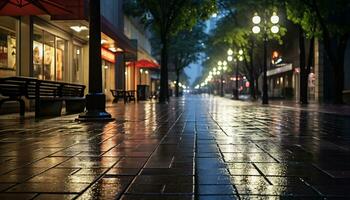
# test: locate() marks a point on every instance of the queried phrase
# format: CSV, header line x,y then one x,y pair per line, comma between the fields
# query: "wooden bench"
x,y
48,95
127,95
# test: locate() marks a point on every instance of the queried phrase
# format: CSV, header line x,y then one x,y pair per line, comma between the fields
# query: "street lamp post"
x,y
240,58
95,99
222,66
256,29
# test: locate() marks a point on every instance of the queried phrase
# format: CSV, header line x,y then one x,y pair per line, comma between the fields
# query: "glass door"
x,y
77,64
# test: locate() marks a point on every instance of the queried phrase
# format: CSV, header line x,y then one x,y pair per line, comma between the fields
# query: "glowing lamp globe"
x,y
230,52
275,29
274,18
256,19
256,29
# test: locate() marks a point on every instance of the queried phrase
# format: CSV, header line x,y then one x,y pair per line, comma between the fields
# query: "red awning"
x,y
143,63
31,7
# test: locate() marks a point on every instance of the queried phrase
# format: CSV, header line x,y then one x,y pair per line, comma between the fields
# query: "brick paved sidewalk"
x,y
192,148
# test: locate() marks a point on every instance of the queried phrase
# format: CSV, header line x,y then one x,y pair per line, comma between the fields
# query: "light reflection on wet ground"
x,y
197,147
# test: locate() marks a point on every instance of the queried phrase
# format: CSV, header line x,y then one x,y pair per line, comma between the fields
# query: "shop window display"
x,y
77,63
8,46
48,56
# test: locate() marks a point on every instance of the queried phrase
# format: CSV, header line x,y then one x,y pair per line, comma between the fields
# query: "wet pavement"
x,y
197,147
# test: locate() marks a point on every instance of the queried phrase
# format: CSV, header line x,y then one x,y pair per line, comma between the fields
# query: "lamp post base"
x,y
95,109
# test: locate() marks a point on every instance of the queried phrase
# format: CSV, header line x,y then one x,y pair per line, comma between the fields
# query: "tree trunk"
x,y
164,88
336,54
303,70
251,74
257,91
339,69
311,55
177,83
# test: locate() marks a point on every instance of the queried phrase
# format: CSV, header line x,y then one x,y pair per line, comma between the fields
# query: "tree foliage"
x,y
328,20
167,18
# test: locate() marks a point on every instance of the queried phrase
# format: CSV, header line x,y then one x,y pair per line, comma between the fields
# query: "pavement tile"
x,y
197,146
55,197
12,196
106,188
216,190
217,197
157,197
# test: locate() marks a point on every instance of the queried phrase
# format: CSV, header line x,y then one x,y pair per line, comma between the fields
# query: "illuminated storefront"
x,y
56,47
8,46
49,55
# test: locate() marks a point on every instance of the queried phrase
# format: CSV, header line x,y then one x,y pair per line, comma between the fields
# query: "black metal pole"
x,y
222,84
95,99
236,91
265,98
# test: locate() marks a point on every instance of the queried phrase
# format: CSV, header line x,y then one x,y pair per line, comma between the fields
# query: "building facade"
x,y
56,47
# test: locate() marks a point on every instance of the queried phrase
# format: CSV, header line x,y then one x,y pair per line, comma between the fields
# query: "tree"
x,y
329,21
234,30
167,18
185,48
301,15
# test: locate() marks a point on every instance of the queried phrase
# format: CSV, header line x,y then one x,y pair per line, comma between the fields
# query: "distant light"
x,y
224,62
119,50
219,62
240,52
256,19
78,29
229,58
141,71
279,60
146,72
214,15
113,49
274,29
103,41
224,68
256,29
230,52
106,66
275,19
240,58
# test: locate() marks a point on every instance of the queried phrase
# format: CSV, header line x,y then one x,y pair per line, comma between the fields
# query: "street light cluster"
x,y
182,85
256,29
257,19
221,67
240,58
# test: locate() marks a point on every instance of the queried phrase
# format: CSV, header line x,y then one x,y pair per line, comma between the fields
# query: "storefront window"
x,y
60,58
48,55
8,46
77,64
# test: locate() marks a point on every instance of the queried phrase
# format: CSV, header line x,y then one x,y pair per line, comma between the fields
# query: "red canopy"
x,y
143,63
31,7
